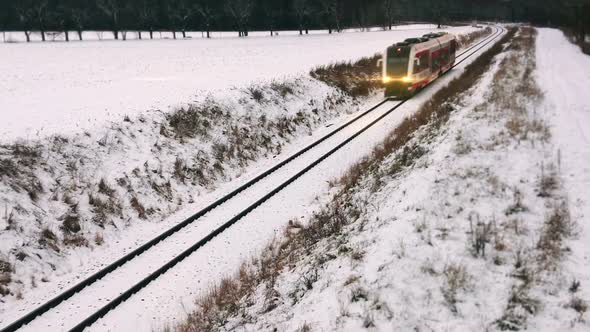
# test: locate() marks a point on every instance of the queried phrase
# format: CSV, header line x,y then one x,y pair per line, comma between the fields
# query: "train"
x,y
410,65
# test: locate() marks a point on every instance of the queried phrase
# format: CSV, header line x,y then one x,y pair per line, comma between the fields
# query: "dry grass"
x,y
357,79
75,240
558,226
455,279
5,277
138,207
578,305
18,163
514,92
49,239
103,208
196,120
520,305
481,235
467,39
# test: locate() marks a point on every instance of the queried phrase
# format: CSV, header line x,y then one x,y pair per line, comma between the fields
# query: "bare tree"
x,y
207,15
146,16
25,17
439,11
111,8
388,7
363,14
79,19
272,14
240,11
332,10
39,8
302,10
62,16
180,14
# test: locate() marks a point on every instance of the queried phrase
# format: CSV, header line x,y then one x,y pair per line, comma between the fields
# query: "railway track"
x,y
219,220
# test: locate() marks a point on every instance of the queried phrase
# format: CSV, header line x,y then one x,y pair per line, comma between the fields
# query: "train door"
x,y
435,62
445,58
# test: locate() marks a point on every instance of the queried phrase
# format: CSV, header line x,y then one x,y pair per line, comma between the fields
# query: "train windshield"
x,y
397,61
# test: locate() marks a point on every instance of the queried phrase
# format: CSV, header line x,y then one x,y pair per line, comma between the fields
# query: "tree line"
x,y
180,16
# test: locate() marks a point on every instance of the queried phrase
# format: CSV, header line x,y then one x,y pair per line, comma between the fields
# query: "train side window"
x,y
421,62
445,56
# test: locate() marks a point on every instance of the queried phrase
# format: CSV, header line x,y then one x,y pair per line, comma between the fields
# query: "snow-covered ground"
x,y
61,88
566,89
464,229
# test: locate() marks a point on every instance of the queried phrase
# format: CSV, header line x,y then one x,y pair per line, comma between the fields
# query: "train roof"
x,y
425,38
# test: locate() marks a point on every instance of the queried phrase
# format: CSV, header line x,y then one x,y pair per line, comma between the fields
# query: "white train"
x,y
410,65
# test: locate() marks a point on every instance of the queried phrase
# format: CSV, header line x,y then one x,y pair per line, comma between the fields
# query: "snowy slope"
x,y
566,88
50,88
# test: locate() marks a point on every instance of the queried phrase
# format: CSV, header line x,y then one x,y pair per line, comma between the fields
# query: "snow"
x,y
139,145
161,299
64,88
564,75
416,226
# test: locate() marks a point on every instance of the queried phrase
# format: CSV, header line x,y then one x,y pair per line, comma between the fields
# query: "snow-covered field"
x,y
61,88
568,106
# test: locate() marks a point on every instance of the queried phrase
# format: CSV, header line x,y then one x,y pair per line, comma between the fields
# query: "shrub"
x,y
467,39
520,305
5,266
455,278
357,79
256,93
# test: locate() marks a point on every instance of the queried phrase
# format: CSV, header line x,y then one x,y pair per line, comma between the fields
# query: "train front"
x,y
396,79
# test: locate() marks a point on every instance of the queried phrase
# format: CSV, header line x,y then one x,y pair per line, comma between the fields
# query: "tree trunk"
x,y
174,34
330,30
151,33
67,33
139,35
28,34
42,34
116,34
300,31
208,34
306,31
183,34
80,34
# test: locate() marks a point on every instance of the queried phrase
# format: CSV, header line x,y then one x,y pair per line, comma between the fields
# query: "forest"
x,y
243,16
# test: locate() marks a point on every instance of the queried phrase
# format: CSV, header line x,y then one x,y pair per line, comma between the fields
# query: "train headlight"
x,y
386,79
406,79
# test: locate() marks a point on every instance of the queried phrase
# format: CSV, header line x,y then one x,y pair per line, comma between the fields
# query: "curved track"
x,y
323,151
